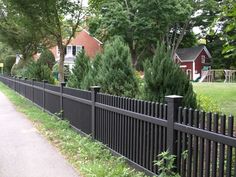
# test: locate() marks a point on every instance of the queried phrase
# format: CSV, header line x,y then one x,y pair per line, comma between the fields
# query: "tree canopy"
x,y
56,20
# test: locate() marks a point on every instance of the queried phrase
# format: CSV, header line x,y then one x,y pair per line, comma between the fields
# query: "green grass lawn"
x,y
224,94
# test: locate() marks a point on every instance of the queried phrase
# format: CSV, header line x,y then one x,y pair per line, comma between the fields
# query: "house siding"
x,y
198,62
90,44
189,65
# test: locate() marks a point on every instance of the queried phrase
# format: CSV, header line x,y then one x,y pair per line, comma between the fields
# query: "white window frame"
x,y
67,50
203,59
79,48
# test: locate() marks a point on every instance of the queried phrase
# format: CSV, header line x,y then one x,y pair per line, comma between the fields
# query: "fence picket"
x,y
214,146
201,145
229,149
139,129
222,147
208,146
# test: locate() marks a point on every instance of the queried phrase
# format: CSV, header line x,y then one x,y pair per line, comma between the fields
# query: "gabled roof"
x,y
191,54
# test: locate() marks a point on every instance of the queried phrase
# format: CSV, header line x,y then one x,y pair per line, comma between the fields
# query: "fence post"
x,y
32,82
62,85
44,82
25,87
95,90
14,80
173,103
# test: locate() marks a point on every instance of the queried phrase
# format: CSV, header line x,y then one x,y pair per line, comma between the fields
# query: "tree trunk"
x,y
61,63
134,58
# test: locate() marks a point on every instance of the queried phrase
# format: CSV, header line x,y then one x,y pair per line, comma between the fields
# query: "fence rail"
x,y
140,130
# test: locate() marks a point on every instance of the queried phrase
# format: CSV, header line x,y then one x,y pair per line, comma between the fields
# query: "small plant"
x,y
166,165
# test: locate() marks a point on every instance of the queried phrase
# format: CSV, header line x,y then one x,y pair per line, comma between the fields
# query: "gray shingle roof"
x,y
189,53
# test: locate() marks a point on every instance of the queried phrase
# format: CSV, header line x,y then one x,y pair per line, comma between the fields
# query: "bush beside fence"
x,y
140,130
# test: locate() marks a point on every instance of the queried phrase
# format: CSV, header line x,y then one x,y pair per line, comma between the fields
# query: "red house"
x,y
82,40
193,61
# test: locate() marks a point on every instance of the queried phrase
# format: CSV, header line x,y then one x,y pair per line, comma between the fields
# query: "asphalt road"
x,y
23,151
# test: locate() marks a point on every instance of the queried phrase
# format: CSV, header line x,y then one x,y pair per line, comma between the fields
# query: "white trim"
x,y
189,71
71,53
204,48
183,66
183,60
207,52
93,37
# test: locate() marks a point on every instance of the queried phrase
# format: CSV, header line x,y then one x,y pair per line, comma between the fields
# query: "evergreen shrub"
x,y
163,77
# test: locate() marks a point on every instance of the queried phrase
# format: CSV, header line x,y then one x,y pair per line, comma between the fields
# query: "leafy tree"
x,y
163,77
8,62
116,75
49,17
141,24
38,71
7,57
17,32
47,58
79,71
230,29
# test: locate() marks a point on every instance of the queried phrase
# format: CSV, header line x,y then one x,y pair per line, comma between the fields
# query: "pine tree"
x,y
116,75
38,71
47,58
163,77
91,78
79,71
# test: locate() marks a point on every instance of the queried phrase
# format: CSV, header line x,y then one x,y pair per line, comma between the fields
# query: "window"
x,y
203,59
69,50
72,50
78,48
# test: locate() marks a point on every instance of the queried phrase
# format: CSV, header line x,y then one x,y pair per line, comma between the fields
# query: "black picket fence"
x,y
140,130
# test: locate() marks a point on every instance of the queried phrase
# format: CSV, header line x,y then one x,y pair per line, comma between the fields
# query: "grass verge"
x,y
89,158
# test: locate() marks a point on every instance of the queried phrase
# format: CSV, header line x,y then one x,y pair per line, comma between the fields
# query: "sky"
x,y
85,2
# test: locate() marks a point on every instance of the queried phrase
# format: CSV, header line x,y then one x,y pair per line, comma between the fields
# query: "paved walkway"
x,y
25,153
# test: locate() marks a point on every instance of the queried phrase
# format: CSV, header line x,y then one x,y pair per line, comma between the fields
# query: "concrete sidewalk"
x,y
25,153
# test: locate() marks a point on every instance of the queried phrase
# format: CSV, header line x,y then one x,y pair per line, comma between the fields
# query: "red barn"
x,y
82,40
193,61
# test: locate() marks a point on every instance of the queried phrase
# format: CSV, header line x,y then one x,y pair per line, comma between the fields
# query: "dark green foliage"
x,y
39,72
163,77
8,62
116,75
47,58
189,40
91,78
55,72
20,68
79,71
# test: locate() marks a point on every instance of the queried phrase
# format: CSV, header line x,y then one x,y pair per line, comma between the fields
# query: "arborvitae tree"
x,y
38,71
47,58
79,71
116,75
91,78
164,77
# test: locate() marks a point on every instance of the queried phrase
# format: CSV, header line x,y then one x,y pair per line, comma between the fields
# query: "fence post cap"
x,y
33,79
25,78
95,88
45,81
173,98
62,84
